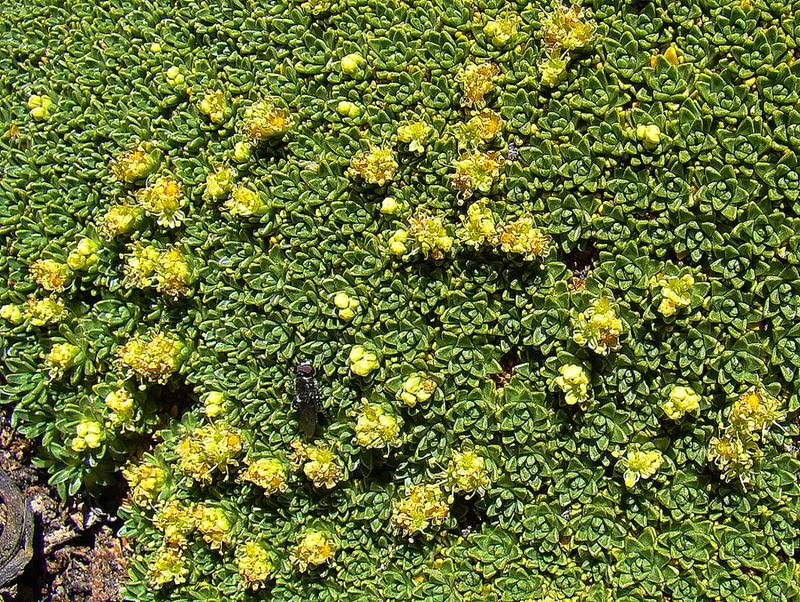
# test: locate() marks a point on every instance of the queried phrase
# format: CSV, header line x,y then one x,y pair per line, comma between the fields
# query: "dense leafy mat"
x,y
543,261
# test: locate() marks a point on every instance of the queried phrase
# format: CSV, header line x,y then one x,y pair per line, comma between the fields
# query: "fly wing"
x,y
307,415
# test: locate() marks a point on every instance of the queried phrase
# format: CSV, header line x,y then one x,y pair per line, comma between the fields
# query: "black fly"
x,y
307,401
513,152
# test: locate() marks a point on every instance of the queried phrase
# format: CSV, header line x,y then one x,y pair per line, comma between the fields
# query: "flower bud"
x,y
351,63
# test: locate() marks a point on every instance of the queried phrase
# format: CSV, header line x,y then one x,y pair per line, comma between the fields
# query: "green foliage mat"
x,y
543,262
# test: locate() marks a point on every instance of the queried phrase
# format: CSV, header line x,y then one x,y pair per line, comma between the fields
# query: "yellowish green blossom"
x,y
376,166
503,29
755,411
50,274
566,28
390,206
424,506
416,134
120,220
362,360
206,449
574,382
39,106
682,400
345,108
477,80
12,313
219,184
121,405
346,305
675,293
598,327
245,201
416,389
242,151
431,233
214,106
639,464
314,549
268,473
648,135
552,70
174,76
264,121
480,129
351,63
734,454
468,473
173,273
213,524
140,266
254,564
176,521
168,566
145,481
83,255
89,434
319,464
153,360
522,237
62,356
376,427
478,225
477,172
41,312
213,403
136,163
397,242
163,199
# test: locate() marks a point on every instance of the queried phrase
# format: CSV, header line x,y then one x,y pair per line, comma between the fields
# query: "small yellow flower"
x,y
416,389
390,206
12,313
503,29
62,356
477,80
598,327
639,464
755,411
163,200
254,564
377,428
478,226
213,403
88,434
319,464
50,274
574,382
263,121
397,242
214,525
314,549
83,255
136,163
351,63
174,76
168,566
121,404
415,134
675,293
425,505
242,151
363,361
477,172
176,521
120,220
39,106
523,238
552,71
214,106
682,400
145,481
268,473
346,305
467,472
345,108
245,202
40,312
734,454
431,233
648,135
375,166
206,449
219,184
153,360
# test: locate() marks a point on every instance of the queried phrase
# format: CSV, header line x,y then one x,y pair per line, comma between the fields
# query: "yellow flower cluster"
x,y
477,80
40,312
39,106
120,220
219,184
639,464
598,327
523,238
12,313
153,360
315,548
415,134
214,106
648,135
431,234
169,271
213,524
480,129
346,305
213,403
164,200
375,166
319,464
682,400
425,505
136,164
397,242
84,255
145,481
245,202
503,30
50,274
208,448
734,454
263,120
61,357
552,69
675,293
268,473
168,566
563,31
362,361
174,76
467,472
120,402
88,434
755,411
253,563
478,226
376,428
477,172
176,521
574,382
416,389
